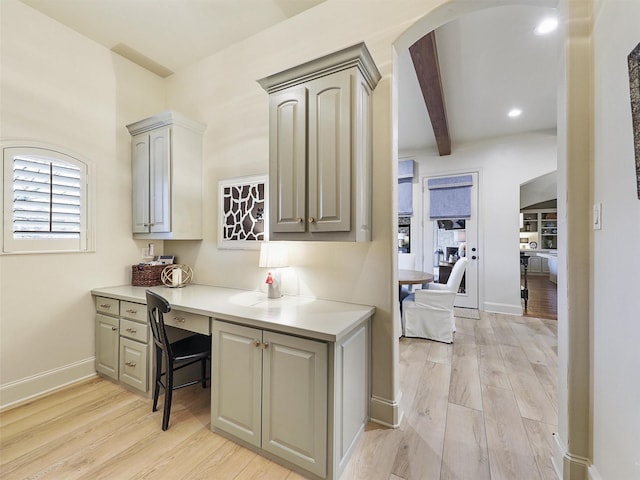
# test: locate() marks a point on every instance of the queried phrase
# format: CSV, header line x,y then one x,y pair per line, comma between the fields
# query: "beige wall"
x,y
60,88
616,263
222,92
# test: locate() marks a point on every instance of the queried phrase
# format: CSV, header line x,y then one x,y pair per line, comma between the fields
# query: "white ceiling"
x,y
490,61
169,33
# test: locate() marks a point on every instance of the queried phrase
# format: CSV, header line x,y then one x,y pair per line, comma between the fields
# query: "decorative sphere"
x,y
176,275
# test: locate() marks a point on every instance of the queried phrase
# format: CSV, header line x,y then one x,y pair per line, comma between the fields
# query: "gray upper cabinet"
x,y
167,177
320,148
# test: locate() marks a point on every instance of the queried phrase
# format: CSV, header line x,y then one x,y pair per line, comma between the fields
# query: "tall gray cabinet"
x,y
167,175
320,148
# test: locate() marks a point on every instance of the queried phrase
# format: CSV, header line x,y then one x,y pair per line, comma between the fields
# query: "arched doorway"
x,y
573,201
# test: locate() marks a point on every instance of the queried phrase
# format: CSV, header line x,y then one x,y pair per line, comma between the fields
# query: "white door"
x,y
442,237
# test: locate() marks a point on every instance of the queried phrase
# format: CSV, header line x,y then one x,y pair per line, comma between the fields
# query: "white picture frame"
x,y
242,212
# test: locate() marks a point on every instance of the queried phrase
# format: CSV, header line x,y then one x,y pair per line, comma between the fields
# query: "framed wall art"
x,y
634,91
242,217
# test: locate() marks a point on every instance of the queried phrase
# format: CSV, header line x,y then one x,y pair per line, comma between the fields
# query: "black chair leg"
x,y
156,388
168,394
203,372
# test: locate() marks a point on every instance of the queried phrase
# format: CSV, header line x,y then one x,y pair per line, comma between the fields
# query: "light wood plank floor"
x,y
482,408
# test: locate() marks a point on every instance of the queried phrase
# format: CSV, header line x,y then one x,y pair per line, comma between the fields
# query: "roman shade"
x,y
450,197
405,187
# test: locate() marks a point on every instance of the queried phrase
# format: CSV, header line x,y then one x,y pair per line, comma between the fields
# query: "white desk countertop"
x,y
318,319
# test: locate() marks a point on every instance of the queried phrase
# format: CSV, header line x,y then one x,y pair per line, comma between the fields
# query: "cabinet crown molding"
x,y
169,117
355,56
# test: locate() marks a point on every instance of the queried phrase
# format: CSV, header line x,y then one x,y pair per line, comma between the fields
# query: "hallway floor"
x,y
483,408
543,298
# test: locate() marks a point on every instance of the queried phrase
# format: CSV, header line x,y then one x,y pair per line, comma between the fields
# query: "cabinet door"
x,y
329,207
160,180
294,410
545,265
535,264
133,363
288,157
107,345
140,170
236,372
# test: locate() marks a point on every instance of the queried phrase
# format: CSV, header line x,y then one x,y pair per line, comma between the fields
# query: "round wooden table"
x,y
412,277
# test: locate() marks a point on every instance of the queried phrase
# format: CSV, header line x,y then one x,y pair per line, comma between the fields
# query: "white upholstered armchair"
x,y
428,313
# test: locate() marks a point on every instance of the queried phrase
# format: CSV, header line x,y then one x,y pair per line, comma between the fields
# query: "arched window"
x,y
45,201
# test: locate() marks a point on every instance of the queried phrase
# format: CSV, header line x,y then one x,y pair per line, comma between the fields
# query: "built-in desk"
x,y
290,376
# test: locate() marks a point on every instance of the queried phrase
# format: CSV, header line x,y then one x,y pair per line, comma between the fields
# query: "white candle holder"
x,y
176,275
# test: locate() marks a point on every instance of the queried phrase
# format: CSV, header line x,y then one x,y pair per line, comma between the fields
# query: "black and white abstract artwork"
x,y
242,212
634,91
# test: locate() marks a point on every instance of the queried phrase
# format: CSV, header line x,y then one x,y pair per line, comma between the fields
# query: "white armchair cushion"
x,y
437,286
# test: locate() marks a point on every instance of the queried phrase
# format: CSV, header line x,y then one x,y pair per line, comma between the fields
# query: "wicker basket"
x,y
146,275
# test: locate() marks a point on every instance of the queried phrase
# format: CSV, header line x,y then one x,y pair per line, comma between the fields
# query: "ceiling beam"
x,y
424,54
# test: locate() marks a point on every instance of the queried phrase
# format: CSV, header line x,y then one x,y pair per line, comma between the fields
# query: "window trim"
x,y
11,245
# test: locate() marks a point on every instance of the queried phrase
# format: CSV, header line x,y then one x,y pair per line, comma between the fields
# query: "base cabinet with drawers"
x,y
290,378
124,344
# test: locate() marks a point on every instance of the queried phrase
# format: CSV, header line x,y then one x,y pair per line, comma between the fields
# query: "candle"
x,y
176,277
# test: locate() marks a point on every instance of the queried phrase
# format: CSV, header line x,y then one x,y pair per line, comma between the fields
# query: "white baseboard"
x,y
384,412
568,465
26,388
505,308
593,473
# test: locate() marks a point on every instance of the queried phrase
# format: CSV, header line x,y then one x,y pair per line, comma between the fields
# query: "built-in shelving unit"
x,y
539,230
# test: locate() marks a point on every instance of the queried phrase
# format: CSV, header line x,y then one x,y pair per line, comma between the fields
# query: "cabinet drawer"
x,y
134,311
136,331
188,321
110,306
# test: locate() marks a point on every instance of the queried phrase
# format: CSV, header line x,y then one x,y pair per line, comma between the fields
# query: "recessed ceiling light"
x,y
514,112
546,26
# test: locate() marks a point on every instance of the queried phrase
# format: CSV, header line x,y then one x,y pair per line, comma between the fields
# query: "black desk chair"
x,y
176,355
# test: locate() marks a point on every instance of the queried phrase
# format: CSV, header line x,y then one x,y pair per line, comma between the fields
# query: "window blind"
x,y
450,197
46,198
405,187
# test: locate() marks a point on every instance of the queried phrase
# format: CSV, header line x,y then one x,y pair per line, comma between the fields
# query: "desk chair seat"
x,y
174,355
